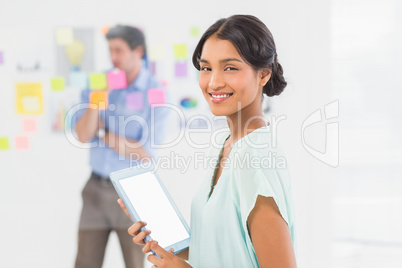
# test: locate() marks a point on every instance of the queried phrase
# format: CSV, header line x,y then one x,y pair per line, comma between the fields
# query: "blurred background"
x,y
342,59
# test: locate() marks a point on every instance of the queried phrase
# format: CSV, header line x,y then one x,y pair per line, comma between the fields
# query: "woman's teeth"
x,y
221,96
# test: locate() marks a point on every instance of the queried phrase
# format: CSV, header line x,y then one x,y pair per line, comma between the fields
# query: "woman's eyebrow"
x,y
223,60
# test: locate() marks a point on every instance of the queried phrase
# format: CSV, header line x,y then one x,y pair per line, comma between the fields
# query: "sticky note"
x,y
180,69
156,96
78,80
105,29
1,57
156,52
29,125
135,101
194,31
57,83
99,98
116,79
180,51
30,104
21,142
4,144
97,81
152,67
64,36
165,83
29,98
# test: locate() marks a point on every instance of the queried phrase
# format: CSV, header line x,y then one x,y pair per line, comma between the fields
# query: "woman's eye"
x,y
230,69
205,69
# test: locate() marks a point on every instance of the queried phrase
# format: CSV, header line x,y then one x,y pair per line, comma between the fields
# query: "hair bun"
x,y
277,83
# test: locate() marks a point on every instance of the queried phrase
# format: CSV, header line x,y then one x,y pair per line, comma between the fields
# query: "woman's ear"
x,y
265,75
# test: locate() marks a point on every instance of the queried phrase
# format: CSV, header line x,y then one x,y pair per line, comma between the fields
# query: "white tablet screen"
x,y
153,206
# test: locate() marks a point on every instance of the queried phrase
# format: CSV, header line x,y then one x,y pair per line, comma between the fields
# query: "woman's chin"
x,y
219,111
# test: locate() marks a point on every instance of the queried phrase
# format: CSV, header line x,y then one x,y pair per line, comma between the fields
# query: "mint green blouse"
x,y
219,234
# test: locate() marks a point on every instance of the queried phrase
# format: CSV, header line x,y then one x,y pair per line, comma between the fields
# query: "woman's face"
x,y
228,83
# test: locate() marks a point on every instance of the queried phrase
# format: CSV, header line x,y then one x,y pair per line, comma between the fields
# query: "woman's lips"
x,y
219,97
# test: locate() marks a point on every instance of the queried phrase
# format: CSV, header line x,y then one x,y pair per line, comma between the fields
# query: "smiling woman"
x,y
242,215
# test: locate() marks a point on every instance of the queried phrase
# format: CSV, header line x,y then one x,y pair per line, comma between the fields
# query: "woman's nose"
x,y
216,81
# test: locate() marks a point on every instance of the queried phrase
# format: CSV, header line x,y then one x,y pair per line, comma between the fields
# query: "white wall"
x,y
40,197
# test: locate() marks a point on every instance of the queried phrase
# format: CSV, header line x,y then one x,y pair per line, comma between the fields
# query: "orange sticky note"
x,y
105,29
21,142
29,125
99,98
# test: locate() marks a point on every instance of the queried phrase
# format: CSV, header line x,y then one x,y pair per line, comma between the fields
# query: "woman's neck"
x,y
244,122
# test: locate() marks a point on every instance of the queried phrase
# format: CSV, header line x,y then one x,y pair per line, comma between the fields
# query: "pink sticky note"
x,y
116,79
1,57
156,96
135,101
29,125
180,69
21,142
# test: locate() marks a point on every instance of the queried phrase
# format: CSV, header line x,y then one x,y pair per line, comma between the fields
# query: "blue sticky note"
x,y
78,80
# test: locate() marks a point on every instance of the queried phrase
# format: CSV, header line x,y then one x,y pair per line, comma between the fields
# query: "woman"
x,y
242,216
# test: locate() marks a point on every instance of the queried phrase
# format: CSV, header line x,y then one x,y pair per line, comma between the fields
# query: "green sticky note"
x,y
97,81
180,51
195,31
57,83
4,144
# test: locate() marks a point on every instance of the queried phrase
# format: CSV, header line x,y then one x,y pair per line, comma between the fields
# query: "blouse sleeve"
x,y
249,183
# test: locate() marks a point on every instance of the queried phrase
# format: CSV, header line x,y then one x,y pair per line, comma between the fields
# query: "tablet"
x,y
147,199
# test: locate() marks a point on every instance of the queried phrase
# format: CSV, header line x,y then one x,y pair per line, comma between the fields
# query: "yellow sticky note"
x,y
99,98
57,83
180,51
64,36
4,144
157,52
29,98
97,81
195,31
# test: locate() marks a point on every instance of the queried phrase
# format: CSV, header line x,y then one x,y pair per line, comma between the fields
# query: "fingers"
x,y
123,207
154,260
147,247
171,250
159,250
135,228
139,238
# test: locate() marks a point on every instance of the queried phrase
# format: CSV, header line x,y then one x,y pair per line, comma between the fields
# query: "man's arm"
x,y
125,146
87,125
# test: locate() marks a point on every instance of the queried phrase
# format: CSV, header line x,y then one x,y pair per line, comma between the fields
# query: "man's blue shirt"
x,y
125,122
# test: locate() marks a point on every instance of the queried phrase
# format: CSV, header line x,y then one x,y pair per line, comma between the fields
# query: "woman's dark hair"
x,y
255,44
132,35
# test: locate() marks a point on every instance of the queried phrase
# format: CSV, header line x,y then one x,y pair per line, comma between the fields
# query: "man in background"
x,y
122,141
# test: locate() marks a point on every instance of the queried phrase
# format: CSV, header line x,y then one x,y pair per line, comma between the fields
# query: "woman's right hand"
x,y
134,230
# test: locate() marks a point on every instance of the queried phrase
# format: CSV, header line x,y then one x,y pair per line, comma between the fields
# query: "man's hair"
x,y
132,35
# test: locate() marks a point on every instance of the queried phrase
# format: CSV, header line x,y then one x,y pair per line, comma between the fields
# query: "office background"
x,y
343,53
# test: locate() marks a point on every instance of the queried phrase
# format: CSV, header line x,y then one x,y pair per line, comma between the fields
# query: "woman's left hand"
x,y
167,260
